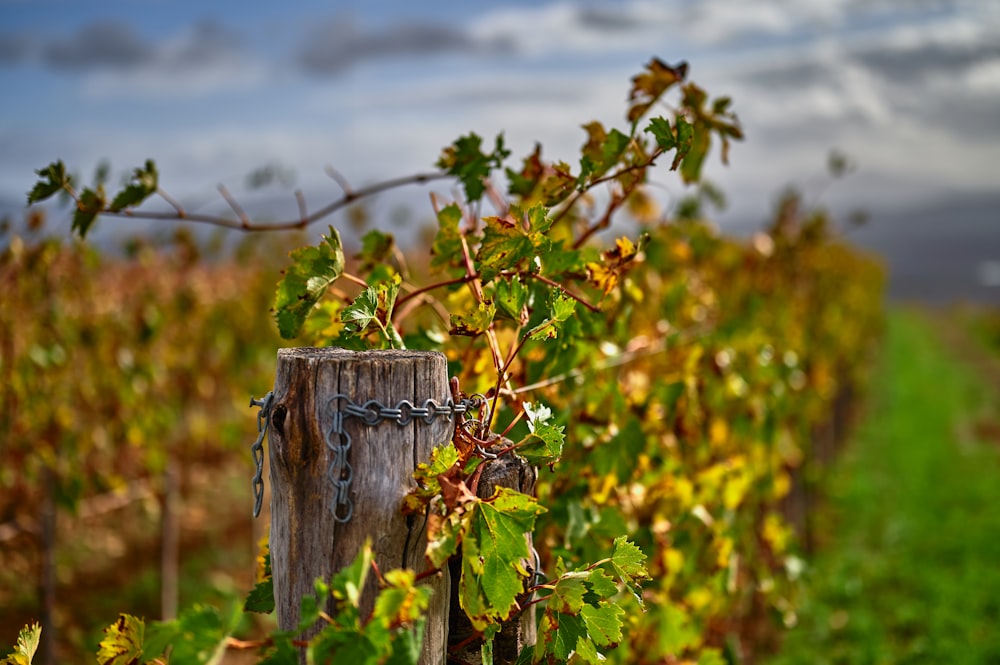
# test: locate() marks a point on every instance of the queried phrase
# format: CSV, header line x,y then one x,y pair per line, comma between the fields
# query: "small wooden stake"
x,y
306,541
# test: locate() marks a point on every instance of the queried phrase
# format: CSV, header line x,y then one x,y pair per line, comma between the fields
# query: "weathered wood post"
x,y
310,540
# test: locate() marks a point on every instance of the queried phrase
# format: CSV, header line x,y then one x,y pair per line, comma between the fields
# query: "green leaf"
x,y
695,158
443,458
543,445
601,583
492,549
685,136
602,150
143,184
27,645
604,623
122,643
348,582
560,309
505,245
511,296
558,635
486,650
586,650
627,560
447,247
198,635
466,160
283,652
312,272
90,205
711,657
401,601
374,305
567,596
261,597
53,179
376,248
475,323
662,132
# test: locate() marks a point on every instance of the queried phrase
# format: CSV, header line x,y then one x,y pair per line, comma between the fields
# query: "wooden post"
x,y
306,541
520,630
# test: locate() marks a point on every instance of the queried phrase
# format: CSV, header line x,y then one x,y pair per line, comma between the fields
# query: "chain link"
x,y
372,413
338,440
257,449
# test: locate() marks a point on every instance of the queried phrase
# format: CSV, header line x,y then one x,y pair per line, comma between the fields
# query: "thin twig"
x,y
303,211
174,203
240,213
339,179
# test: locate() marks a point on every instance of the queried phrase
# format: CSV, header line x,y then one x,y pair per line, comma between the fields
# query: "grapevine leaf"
x,y
198,635
567,596
587,651
613,148
560,309
52,180
558,184
649,86
143,184
447,246
376,247
558,635
604,623
511,297
443,458
465,160
685,136
492,550
27,645
122,643
374,305
283,652
443,537
505,245
312,272
91,203
402,601
627,562
407,644
543,445
475,323
523,184
606,273
261,597
601,583
692,163
661,131
486,650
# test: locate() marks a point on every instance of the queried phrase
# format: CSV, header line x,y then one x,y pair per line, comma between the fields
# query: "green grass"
x,y
910,569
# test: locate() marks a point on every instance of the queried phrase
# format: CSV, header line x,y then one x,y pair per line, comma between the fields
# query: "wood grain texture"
x,y
306,541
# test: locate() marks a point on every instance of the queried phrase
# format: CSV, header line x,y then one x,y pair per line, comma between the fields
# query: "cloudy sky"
x,y
909,89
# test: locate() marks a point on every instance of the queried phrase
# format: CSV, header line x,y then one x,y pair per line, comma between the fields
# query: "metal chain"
x,y
371,414
339,441
257,449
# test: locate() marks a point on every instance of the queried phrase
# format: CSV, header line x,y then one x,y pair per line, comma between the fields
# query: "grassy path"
x,y
910,568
